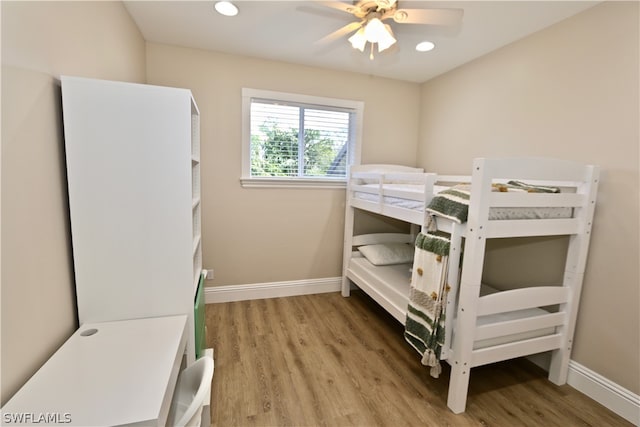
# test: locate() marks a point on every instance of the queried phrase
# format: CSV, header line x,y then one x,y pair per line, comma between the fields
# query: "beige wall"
x,y
570,91
41,41
269,235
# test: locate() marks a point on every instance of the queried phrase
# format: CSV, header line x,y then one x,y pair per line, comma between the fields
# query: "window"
x,y
298,140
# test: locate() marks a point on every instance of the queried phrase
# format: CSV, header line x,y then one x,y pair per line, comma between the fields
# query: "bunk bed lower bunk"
x,y
481,325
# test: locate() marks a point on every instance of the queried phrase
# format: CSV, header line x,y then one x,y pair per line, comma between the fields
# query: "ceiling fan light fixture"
x,y
226,8
358,40
374,30
386,40
425,46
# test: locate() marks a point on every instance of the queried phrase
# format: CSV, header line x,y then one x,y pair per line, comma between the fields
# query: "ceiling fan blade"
x,y
319,11
428,16
340,32
345,7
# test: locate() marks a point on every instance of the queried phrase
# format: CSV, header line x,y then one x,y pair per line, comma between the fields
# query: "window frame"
x,y
354,149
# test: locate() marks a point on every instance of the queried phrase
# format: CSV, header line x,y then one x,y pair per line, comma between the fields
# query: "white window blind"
x,y
299,140
293,140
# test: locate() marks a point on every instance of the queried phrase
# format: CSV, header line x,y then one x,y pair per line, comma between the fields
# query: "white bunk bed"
x,y
482,326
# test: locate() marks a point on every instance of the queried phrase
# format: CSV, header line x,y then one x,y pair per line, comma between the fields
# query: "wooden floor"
x,y
325,360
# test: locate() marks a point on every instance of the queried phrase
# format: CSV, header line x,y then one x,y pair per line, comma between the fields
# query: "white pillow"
x,y
388,253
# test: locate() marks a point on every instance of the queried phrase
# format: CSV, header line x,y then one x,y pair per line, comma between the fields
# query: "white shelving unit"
x,y
133,169
195,195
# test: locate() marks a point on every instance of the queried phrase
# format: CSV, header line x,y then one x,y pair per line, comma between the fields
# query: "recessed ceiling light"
x,y
425,46
226,8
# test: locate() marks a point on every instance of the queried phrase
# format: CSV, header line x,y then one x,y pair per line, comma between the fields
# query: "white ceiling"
x,y
287,31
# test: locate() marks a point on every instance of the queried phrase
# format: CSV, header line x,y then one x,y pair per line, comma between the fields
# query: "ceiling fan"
x,y
370,27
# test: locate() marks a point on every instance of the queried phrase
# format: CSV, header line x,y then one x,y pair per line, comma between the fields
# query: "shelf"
x,y
195,196
196,244
196,220
195,180
195,135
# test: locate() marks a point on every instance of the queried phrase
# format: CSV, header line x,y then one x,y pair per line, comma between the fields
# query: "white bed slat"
x,y
545,200
520,299
377,168
363,188
366,205
407,195
453,179
422,178
407,215
376,238
532,227
515,349
518,326
405,178
524,169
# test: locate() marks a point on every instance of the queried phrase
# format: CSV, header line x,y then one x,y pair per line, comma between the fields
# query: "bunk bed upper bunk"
x,y
489,326
405,193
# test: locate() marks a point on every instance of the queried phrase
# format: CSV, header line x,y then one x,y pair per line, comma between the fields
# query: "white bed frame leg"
x,y
467,312
460,371
346,286
559,368
573,278
347,248
458,388
453,278
461,362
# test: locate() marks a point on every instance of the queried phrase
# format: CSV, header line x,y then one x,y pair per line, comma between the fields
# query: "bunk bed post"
x,y
348,247
348,238
453,281
573,277
473,262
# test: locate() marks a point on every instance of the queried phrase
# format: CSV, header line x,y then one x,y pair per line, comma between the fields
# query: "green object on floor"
x,y
199,318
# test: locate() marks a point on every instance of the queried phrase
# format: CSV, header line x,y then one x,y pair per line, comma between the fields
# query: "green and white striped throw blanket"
x,y
424,326
453,203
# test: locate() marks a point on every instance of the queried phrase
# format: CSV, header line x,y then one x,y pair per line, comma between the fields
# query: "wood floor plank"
x,y
325,360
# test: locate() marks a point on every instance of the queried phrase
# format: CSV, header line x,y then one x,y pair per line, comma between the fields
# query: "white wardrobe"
x,y
133,173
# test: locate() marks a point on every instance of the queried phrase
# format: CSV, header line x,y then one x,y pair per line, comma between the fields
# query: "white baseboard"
x,y
215,294
604,391
607,393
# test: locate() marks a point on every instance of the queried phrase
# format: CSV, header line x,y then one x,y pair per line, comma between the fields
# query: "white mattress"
x,y
494,213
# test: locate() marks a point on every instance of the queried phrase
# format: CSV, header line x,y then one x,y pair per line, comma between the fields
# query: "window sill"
x,y
292,183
